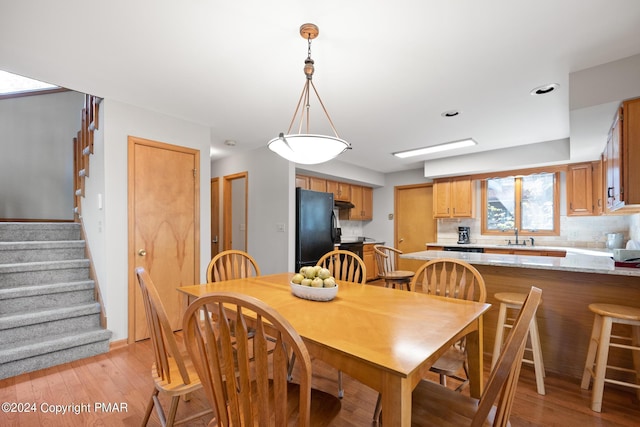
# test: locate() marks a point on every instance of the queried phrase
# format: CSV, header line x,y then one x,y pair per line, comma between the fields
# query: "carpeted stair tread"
x,y
50,344
15,320
48,289
34,251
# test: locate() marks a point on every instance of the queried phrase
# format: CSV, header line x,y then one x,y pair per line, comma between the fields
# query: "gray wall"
x,y
36,155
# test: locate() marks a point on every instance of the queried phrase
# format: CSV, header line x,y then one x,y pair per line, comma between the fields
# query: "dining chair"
x,y
348,266
387,270
245,382
449,278
232,264
173,373
436,405
344,265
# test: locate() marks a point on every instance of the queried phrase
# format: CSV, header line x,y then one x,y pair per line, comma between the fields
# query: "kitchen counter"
x,y
569,284
576,260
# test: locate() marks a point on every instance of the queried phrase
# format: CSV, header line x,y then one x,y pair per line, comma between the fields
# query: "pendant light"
x,y
308,148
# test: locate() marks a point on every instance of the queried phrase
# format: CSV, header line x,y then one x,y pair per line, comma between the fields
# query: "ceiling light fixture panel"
x,y
544,89
436,148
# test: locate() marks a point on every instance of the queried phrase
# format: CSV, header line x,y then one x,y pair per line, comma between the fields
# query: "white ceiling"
x,y
385,70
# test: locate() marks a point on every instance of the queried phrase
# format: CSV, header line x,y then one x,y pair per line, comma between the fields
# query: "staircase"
x,y
48,312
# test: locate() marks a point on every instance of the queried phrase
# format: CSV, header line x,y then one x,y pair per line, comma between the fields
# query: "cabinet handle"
x,y
610,192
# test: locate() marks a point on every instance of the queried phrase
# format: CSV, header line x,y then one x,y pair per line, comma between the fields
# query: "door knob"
x,y
142,252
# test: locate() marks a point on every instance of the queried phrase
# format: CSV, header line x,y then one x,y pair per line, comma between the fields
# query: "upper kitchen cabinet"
x,y
311,183
584,189
621,157
341,191
453,198
362,199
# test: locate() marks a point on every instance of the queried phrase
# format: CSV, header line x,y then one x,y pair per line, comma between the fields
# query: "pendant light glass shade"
x,y
308,148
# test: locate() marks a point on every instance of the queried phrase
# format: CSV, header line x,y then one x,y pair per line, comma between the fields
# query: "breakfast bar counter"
x,y
569,284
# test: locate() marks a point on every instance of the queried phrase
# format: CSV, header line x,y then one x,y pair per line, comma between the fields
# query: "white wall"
x,y
107,227
271,200
38,130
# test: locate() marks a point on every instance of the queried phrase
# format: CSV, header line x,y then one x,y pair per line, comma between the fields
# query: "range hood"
x,y
339,204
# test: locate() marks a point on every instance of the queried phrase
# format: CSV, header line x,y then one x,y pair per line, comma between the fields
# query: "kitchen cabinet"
x,y
368,256
311,183
362,199
453,198
525,252
621,157
341,190
584,189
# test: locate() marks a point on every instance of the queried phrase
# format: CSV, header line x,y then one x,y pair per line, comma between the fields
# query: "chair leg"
x,y
172,411
290,369
340,388
538,363
591,352
147,413
378,410
635,341
497,345
601,364
443,380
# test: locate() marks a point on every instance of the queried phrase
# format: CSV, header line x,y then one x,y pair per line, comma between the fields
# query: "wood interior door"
x,y
414,224
164,226
215,216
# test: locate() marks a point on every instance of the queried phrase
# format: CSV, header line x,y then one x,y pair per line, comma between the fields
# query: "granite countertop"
x,y
577,260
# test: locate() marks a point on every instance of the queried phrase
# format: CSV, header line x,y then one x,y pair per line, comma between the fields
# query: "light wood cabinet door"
x,y
580,189
367,203
368,256
317,184
341,190
362,199
598,189
442,199
613,165
453,199
302,182
462,198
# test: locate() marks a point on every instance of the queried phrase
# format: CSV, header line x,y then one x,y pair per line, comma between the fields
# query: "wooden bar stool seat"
x,y
514,301
601,341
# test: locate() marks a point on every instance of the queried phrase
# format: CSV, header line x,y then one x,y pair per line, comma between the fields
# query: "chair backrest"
x,y
385,258
232,264
504,376
233,363
450,278
162,338
345,265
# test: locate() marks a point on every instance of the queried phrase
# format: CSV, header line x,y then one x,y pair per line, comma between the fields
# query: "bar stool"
x,y
510,300
597,356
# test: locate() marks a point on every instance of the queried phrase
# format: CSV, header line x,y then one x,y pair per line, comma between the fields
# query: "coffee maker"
x,y
463,235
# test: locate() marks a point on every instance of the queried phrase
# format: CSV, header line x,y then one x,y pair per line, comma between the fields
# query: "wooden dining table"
x,y
385,338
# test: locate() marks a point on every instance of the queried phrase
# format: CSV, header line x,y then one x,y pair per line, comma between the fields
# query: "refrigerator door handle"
x,y
333,226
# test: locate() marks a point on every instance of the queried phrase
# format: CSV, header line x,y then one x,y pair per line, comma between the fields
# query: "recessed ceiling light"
x,y
543,90
450,113
230,142
436,148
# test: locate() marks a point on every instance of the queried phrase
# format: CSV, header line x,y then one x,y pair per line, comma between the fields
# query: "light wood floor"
x,y
122,377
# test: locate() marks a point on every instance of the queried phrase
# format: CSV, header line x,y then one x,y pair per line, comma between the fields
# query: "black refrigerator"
x,y
315,226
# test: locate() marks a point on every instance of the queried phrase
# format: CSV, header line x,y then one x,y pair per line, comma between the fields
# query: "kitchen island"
x,y
569,284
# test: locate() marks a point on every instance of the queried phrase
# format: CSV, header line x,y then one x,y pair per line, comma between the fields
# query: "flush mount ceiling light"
x,y
308,148
436,148
543,90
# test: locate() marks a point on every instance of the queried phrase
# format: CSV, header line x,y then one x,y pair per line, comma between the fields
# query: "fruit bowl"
x,y
314,294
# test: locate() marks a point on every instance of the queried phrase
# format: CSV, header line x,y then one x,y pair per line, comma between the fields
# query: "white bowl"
x,y
314,294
